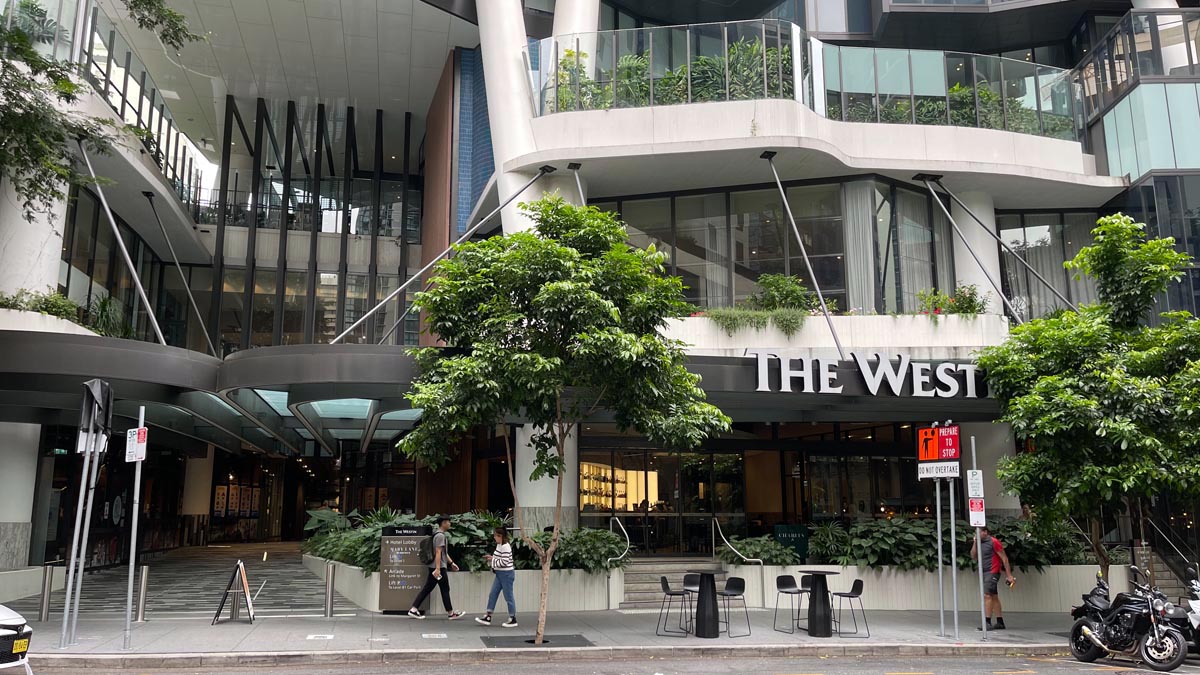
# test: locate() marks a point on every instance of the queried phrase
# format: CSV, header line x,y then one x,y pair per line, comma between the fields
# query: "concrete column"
x,y
537,498
19,458
576,16
966,270
32,250
197,485
510,107
992,442
45,511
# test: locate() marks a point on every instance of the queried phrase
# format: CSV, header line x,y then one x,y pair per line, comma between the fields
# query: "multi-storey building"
x,y
306,158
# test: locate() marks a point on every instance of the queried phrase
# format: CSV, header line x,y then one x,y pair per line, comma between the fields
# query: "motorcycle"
x,y
1192,620
1133,625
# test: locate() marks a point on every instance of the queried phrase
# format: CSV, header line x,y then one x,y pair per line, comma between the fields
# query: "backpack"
x,y
425,551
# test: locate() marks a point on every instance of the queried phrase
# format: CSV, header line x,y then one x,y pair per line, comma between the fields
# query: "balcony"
x,y
756,60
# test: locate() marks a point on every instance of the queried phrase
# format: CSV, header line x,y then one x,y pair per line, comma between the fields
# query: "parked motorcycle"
x,y
1133,625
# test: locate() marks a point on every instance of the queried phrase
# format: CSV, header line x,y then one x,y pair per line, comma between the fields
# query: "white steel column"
x,y
965,268
537,498
510,107
32,250
18,480
576,16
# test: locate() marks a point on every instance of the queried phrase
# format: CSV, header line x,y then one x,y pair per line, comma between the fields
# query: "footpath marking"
x,y
907,673
1014,672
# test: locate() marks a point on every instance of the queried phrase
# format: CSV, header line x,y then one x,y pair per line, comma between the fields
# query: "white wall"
x,y
197,485
966,269
537,498
18,480
32,250
992,441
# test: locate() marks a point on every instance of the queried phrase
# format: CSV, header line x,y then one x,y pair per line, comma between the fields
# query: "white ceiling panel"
x,y
221,24
326,38
396,6
291,23
429,49
252,11
428,17
324,9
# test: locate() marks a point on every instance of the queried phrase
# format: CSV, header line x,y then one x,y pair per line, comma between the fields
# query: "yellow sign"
x,y
20,646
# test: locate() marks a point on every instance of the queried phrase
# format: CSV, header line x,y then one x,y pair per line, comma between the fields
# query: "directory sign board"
x,y
401,572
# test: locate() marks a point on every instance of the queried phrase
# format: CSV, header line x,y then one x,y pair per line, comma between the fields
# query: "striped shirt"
x,y
502,558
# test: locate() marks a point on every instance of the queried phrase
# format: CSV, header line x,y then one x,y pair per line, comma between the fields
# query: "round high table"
x,y
820,612
707,620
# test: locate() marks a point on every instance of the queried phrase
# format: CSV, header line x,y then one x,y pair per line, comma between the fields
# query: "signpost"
x,y
938,453
401,572
135,451
975,495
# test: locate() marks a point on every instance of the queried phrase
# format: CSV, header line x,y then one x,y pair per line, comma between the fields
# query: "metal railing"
x,y
628,543
717,531
1178,561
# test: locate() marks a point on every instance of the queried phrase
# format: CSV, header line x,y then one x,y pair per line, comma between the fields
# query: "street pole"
x,y
978,560
85,446
937,488
133,525
99,445
953,557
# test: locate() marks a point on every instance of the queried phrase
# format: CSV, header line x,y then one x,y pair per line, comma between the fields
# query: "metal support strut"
x,y
1000,240
574,167
769,155
137,280
187,288
926,178
450,249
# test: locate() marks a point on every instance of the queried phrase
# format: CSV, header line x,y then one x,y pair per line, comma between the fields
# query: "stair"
x,y
643,588
1166,580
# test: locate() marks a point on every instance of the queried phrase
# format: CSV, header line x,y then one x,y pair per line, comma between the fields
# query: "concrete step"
x,y
653,577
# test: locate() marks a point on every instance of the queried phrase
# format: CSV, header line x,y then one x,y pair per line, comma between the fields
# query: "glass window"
x,y
960,75
102,266
325,318
649,222
1020,97
831,16
702,249
597,488
915,246
229,324
895,86
831,57
929,86
174,308
746,81
82,248
1077,233
989,81
1043,251
295,290
759,233
263,313
1185,120
200,280
858,83
1154,120
818,213
886,250
356,306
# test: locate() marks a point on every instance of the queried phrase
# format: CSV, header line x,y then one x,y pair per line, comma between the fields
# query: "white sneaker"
x,y
414,614
511,623
483,620
455,616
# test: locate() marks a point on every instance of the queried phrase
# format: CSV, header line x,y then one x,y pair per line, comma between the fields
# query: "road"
x,y
727,666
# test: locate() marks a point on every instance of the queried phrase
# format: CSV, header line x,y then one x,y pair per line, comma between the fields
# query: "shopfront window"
x,y
759,236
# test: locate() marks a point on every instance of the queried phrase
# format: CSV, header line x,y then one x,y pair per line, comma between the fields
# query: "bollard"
x,y
330,572
143,586
47,587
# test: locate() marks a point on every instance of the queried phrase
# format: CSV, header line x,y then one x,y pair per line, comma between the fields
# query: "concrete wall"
x,y
570,590
18,479
12,319
1055,589
438,201
918,336
27,581
32,249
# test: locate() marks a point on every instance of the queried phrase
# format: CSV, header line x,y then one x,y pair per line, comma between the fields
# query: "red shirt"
x,y
997,547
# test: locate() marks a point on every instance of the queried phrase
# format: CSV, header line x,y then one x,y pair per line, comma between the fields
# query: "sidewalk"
x,y
365,637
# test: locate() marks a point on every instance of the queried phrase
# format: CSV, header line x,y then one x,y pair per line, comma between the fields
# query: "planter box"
x,y
570,590
18,319
1056,589
27,581
920,336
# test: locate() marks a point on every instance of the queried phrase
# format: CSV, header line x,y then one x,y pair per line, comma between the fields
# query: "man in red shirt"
x,y
994,561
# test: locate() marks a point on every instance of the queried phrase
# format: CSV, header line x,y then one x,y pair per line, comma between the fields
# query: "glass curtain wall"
x,y
1044,240
868,256
316,231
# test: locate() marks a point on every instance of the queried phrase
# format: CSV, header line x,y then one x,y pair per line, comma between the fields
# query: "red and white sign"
x,y
937,444
975,506
135,444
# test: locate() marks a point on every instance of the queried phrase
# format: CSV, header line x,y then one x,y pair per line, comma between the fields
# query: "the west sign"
x,y
784,371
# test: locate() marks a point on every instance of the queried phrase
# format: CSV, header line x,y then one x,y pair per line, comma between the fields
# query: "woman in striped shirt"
x,y
502,564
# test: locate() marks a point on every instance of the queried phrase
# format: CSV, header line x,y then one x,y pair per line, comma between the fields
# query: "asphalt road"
x,y
798,666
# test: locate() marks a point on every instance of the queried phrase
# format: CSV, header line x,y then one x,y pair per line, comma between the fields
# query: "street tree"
x,y
1108,403
549,327
39,124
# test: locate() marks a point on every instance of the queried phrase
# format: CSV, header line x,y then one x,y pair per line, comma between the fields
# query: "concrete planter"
x,y
920,336
18,319
27,581
1055,589
570,590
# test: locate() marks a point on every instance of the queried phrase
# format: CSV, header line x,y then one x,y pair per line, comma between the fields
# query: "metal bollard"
x,y
143,586
47,587
330,572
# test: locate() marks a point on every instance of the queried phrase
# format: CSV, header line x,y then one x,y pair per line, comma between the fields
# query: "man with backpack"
x,y
435,552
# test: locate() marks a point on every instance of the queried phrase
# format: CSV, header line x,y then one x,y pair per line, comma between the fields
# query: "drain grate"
x,y
526,641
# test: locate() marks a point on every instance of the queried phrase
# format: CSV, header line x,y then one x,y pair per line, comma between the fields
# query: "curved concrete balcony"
x,y
692,117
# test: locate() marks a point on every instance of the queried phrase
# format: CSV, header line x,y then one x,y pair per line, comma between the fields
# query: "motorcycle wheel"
x,y
1082,648
1168,654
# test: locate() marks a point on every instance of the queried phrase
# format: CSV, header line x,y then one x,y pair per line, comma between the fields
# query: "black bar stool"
x,y
855,593
735,589
664,611
785,584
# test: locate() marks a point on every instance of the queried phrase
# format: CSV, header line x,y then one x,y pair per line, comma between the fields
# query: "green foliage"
x,y
355,540
37,104
966,300
780,291
1110,409
106,316
49,302
910,543
765,548
781,300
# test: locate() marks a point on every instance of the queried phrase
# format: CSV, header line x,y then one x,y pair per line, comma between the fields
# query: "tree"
x,y
38,126
1110,406
549,326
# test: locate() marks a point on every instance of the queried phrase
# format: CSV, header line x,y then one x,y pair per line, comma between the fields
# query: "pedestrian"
x,y
502,565
994,560
437,574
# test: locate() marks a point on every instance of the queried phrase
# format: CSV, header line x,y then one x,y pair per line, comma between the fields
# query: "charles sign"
x,y
784,371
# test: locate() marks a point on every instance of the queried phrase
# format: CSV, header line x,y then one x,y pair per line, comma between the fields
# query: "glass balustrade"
x,y
775,59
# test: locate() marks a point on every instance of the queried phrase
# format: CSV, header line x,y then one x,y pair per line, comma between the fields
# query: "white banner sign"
x,y
937,470
135,444
975,484
975,506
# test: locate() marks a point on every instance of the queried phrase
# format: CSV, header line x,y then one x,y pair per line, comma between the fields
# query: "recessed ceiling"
x,y
385,54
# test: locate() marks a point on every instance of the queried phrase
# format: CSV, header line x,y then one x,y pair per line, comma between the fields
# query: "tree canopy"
x,y
38,123
1109,403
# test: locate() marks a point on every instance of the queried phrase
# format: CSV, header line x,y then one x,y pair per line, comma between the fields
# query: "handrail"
x,y
628,544
718,530
1166,537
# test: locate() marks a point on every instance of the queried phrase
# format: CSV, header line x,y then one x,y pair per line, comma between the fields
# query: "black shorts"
x,y
991,583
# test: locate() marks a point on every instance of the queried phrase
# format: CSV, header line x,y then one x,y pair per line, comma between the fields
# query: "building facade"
x,y
298,165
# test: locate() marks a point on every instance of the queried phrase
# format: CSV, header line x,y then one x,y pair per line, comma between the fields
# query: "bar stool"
x,y
735,589
785,584
855,593
664,611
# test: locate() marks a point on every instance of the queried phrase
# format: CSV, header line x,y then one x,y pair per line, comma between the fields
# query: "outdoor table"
x,y
707,620
820,613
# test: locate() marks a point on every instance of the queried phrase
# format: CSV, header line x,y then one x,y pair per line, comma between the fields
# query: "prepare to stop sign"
x,y
937,444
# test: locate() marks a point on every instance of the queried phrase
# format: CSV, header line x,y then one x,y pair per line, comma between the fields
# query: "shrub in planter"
x,y
764,548
782,300
51,303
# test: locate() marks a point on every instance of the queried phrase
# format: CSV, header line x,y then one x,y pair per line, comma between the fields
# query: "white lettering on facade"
x,y
763,361
828,377
920,377
787,373
969,369
945,376
873,377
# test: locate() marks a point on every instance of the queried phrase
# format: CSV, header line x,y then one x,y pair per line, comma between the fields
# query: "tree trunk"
x,y
543,600
1097,541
